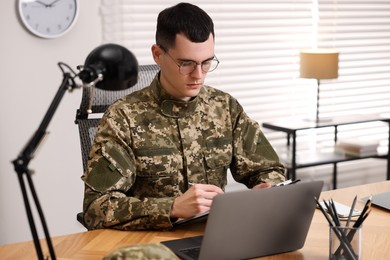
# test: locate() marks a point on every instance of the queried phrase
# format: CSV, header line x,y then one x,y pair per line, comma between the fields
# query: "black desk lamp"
x,y
109,67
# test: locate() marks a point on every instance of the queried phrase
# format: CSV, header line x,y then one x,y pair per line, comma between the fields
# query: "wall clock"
x,y
48,18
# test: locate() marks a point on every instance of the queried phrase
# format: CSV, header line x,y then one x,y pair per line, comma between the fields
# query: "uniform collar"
x,y
172,107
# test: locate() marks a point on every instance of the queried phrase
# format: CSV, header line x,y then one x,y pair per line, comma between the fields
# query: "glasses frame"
x,y
195,63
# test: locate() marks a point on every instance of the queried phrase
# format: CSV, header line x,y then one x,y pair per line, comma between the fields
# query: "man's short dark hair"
x,y
186,19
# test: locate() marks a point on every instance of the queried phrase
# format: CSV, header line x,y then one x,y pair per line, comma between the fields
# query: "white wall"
x,y
29,78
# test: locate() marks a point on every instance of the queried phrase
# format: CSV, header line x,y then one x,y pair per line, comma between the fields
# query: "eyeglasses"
x,y
188,66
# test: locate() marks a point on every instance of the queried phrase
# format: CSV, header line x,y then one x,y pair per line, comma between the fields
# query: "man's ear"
x,y
156,53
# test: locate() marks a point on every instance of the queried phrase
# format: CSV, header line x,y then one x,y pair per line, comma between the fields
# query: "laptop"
x,y
382,200
253,223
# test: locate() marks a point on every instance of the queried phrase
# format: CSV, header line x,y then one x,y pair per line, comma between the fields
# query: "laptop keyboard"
x,y
192,252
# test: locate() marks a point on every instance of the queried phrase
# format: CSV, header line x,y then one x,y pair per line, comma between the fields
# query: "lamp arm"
x,y
22,161
28,151
119,68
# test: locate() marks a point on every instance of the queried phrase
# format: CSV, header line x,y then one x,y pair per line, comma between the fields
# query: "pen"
x,y
288,182
360,221
295,181
330,210
323,212
336,216
367,205
329,207
366,210
190,184
351,211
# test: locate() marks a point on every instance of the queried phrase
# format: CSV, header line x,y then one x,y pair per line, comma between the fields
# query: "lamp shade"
x,y
117,65
319,63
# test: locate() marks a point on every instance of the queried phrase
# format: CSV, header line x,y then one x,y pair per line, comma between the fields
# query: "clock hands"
x,y
45,4
42,3
52,3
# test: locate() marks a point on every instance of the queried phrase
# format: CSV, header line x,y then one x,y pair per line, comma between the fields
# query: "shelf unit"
x,y
291,127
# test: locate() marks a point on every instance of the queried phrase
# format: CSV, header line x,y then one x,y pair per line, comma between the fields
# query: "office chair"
x,y
94,102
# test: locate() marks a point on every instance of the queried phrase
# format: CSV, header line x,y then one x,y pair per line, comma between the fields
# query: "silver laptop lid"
x,y
382,200
254,223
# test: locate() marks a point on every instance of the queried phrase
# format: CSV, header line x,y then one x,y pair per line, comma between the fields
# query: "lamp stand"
x,y
318,101
24,158
318,119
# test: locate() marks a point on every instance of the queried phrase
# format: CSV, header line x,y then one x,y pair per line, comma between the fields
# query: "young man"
x,y
162,153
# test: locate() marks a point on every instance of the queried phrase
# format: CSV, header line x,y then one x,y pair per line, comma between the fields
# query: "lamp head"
x,y
117,65
319,63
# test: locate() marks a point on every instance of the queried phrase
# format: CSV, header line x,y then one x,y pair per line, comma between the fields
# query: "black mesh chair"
x,y
94,103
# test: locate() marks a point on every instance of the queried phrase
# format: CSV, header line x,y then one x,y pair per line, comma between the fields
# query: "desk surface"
x,y
96,244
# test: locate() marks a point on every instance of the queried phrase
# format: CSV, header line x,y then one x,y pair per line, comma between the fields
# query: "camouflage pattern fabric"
x,y
142,252
149,147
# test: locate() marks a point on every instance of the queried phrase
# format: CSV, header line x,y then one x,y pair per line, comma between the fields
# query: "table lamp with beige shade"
x,y
319,64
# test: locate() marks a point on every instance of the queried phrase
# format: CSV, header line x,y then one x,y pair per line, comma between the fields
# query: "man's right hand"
x,y
195,200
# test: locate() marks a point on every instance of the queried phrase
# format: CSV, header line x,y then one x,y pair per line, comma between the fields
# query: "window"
x,y
258,44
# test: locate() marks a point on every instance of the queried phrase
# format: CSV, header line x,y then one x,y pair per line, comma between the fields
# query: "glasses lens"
x,y
210,65
189,66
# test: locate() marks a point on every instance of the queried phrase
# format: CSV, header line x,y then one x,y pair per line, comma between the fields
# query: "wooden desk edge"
x,y
98,243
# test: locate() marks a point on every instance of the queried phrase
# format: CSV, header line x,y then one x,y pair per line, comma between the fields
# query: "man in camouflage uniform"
x,y
163,152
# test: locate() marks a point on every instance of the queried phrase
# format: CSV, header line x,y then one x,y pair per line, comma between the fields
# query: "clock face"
x,y
48,18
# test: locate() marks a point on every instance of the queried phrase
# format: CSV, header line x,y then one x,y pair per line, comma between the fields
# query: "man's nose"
x,y
197,72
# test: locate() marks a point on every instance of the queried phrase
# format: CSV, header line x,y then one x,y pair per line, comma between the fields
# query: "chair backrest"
x,y
98,101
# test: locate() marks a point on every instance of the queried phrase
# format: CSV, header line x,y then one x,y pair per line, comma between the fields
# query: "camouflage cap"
x,y
153,251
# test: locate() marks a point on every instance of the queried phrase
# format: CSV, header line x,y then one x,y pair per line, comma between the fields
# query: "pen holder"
x,y
345,242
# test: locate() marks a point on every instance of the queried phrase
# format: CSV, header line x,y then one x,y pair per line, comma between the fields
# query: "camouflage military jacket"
x,y
149,147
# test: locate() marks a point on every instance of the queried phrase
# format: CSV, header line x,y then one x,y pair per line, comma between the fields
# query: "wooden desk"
x,y
95,244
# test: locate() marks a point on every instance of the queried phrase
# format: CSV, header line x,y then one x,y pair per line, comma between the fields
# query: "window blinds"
x,y
360,30
258,44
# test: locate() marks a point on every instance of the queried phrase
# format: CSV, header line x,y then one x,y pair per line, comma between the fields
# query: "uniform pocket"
x,y
219,152
158,172
164,161
218,157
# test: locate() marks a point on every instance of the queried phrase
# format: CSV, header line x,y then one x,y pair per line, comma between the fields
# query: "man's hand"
x,y
195,200
263,185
